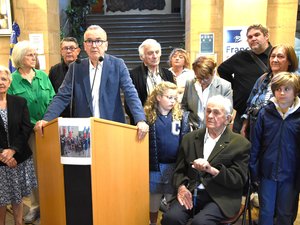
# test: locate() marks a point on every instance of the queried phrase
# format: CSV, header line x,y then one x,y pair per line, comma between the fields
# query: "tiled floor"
x,y
9,217
255,216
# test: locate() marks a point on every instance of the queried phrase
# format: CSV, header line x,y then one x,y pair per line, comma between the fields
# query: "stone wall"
x,y
36,17
280,16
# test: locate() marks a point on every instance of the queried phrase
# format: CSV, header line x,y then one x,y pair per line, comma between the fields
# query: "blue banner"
x,y
13,40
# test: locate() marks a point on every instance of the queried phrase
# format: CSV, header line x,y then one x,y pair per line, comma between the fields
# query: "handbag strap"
x,y
258,62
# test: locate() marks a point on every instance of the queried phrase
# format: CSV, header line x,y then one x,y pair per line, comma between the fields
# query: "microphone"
x,y
77,61
100,59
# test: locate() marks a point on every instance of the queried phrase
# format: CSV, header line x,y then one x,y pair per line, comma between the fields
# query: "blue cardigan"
x,y
153,149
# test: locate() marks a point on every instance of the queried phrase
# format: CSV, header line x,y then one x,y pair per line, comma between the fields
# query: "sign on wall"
x,y
235,40
206,43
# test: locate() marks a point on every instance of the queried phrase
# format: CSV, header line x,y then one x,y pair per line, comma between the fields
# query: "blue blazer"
x,y
115,77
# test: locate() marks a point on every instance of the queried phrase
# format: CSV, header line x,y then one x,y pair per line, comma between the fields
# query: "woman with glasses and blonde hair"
x,y
167,125
35,86
205,85
179,66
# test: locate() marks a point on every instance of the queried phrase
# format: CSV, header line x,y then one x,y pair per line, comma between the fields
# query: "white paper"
x,y
37,41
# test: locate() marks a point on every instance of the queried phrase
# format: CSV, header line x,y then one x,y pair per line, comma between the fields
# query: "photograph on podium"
x,y
74,136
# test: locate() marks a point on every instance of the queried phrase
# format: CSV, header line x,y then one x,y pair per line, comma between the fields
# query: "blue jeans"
x,y
276,198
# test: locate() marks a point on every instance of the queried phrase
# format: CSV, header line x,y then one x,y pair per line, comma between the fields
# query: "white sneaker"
x,y
32,215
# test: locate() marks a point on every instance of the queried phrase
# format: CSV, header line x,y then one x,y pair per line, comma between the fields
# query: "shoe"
x,y
255,200
164,206
32,215
9,208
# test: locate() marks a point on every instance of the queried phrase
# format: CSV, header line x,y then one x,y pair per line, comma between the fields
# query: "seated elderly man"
x,y
211,170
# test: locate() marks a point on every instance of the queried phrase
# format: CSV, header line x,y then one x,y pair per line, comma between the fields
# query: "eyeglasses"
x,y
97,42
203,79
175,98
71,48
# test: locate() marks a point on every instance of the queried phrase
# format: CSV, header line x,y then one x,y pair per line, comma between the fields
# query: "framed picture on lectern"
x,y
75,136
5,18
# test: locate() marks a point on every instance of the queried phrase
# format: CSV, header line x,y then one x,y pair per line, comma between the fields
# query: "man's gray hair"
x,y
223,101
150,42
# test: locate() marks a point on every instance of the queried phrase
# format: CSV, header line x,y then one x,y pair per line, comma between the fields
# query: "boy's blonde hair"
x,y
286,79
151,105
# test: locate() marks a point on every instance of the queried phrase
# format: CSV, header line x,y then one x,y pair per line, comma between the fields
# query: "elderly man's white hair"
x,y
223,101
149,41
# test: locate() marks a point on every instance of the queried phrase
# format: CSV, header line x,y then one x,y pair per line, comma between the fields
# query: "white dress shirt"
x,y
95,80
209,144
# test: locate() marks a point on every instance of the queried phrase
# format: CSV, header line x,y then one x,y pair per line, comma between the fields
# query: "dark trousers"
x,y
237,123
206,212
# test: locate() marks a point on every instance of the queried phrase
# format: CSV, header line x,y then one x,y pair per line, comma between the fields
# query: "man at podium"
x,y
92,86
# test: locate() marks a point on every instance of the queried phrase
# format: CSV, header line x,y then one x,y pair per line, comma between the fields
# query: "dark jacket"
x,y
246,72
57,75
139,79
230,156
275,145
19,128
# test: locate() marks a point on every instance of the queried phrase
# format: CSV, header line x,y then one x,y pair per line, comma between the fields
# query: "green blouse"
x,y
38,93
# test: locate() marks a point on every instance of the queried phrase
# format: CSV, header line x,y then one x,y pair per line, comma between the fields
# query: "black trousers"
x,y
206,212
237,123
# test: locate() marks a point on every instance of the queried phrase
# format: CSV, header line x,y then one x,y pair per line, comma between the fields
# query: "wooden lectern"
x,y
119,175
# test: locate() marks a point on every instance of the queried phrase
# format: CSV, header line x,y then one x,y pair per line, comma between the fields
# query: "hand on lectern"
x,y
143,129
39,126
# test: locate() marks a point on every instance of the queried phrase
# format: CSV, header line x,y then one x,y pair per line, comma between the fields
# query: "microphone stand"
x,y
195,192
77,61
195,200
